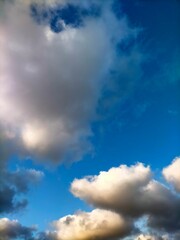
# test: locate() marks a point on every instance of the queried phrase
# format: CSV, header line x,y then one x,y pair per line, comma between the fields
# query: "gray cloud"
x,y
51,83
21,178
13,185
10,230
8,202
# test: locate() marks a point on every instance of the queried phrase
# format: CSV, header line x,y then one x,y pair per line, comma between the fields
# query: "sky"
x,y
89,120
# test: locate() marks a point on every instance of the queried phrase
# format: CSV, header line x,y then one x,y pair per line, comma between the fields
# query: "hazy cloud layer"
x,y
51,83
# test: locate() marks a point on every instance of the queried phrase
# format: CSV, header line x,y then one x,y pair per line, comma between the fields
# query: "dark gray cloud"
x,y
7,200
11,230
13,185
14,230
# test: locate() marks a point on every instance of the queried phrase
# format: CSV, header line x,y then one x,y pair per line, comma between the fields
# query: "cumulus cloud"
x,y
12,229
51,83
172,174
133,192
118,189
98,224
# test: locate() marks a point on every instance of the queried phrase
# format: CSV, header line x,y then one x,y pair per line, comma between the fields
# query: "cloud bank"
x,y
121,196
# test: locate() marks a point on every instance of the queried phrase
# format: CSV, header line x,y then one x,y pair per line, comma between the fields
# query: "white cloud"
x,y
172,174
117,189
133,192
98,224
51,83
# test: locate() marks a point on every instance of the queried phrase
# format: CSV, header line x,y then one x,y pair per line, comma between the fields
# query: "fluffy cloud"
x,y
51,83
98,224
14,230
172,173
131,191
119,189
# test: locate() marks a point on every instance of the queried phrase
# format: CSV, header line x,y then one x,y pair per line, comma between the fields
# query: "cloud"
x,y
13,185
8,202
151,237
98,224
122,196
171,174
12,229
51,83
133,192
115,183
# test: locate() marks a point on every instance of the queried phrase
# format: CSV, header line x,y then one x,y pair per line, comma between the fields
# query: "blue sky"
x,y
86,86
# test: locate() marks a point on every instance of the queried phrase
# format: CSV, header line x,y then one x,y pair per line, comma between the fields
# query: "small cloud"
x,y
13,185
172,173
